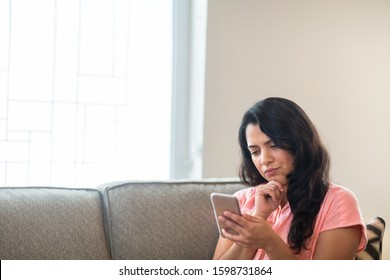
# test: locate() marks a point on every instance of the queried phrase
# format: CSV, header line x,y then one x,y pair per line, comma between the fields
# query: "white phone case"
x,y
224,202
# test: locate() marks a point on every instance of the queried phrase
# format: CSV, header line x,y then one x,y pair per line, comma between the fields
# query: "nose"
x,y
265,157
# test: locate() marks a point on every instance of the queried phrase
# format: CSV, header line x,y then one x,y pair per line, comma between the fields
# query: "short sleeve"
x,y
246,200
341,209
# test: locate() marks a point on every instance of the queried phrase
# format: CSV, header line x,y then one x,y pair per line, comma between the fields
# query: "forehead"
x,y
255,136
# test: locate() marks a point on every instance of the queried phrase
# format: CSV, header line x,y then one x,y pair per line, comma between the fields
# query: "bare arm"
x,y
254,233
228,250
338,244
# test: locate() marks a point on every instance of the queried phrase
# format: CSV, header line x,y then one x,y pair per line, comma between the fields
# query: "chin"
x,y
283,180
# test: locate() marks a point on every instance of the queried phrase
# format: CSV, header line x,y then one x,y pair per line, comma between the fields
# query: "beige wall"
x,y
331,57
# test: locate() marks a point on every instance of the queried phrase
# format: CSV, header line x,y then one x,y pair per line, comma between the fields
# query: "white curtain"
x,y
85,91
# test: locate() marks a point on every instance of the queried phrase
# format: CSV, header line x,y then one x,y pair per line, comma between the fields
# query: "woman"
x,y
291,210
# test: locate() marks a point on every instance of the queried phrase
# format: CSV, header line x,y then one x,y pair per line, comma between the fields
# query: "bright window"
x,y
85,91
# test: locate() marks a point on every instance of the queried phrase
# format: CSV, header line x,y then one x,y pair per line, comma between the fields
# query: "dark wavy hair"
x,y
290,129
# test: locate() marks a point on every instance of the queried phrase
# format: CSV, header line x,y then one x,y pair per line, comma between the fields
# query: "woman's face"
x,y
272,162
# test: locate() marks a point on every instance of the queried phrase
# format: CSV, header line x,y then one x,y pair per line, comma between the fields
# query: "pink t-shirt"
x,y
339,209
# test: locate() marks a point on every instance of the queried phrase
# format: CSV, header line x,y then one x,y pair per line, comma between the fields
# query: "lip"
x,y
271,172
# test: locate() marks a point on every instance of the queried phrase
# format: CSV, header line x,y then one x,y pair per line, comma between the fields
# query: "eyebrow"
x,y
256,146
252,146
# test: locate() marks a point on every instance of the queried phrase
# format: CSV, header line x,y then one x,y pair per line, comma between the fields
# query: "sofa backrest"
x,y
51,223
163,220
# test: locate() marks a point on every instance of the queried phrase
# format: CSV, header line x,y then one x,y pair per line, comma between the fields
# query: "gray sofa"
x,y
119,220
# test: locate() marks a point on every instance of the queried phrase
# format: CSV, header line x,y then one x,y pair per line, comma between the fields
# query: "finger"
x,y
275,186
232,237
228,222
254,219
245,216
279,185
242,244
268,187
239,220
234,217
231,227
269,192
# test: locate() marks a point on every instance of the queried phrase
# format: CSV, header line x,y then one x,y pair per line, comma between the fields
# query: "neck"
x,y
284,200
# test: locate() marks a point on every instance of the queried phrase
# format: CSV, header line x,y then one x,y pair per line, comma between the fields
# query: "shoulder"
x,y
245,194
246,199
339,195
335,188
341,206
341,209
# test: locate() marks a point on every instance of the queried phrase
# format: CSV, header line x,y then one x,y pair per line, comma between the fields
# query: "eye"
x,y
254,152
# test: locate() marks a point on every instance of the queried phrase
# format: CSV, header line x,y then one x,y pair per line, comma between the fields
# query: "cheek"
x,y
290,163
286,160
256,163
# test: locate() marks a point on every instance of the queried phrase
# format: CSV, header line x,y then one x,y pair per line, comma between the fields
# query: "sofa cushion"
x,y
163,220
51,223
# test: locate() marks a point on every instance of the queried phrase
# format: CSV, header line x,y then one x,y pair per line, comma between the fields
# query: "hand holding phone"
x,y
224,202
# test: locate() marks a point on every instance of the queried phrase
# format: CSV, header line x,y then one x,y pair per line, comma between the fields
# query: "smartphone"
x,y
224,202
